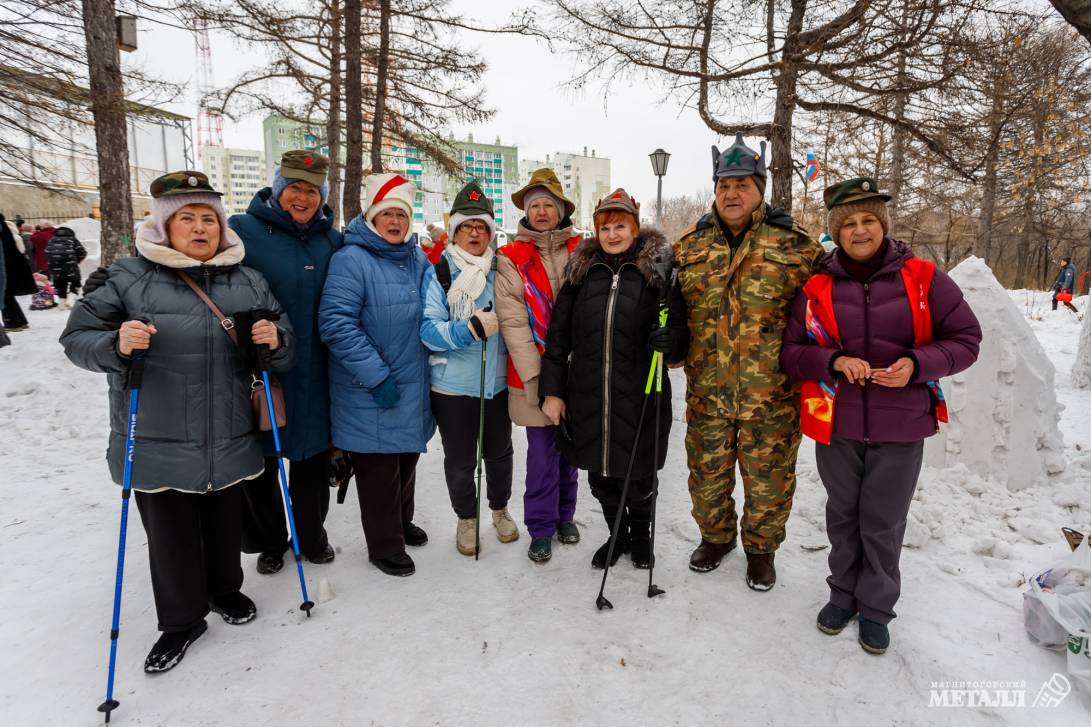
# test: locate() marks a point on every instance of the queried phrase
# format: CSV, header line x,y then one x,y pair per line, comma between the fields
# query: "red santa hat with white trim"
x,y
384,191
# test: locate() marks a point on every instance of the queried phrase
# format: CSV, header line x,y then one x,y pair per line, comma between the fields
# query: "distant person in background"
x,y
26,232
64,253
17,280
4,340
41,238
434,248
1064,287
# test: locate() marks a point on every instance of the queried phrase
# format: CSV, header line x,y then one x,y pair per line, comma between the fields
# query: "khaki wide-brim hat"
x,y
547,180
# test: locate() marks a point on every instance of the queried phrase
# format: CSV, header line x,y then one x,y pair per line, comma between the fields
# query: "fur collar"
x,y
650,243
168,257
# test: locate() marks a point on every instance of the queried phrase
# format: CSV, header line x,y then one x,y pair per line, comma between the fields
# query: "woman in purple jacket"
x,y
871,335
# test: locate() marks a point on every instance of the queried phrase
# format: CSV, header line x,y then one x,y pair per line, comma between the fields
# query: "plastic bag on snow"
x,y
1058,603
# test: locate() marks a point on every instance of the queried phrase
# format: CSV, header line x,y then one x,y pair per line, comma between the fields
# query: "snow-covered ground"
x,y
504,641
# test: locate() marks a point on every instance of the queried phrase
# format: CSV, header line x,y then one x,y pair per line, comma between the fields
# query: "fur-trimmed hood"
x,y
654,257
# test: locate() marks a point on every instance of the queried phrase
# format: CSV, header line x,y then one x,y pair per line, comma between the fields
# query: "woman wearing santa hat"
x,y
369,318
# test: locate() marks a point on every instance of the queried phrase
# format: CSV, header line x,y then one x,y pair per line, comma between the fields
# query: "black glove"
x,y
661,339
95,280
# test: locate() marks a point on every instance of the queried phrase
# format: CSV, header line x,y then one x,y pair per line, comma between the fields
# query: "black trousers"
x,y
870,488
637,507
457,417
385,484
64,285
193,550
265,522
13,313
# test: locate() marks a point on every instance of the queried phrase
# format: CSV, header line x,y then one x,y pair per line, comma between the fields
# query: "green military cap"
x,y
852,190
186,181
471,200
305,164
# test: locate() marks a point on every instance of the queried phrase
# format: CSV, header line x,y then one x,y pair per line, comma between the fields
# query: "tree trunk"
x,y
111,130
983,241
354,112
333,120
780,135
897,158
382,69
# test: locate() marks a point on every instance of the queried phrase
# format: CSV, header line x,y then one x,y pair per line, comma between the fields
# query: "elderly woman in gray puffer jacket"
x,y
195,436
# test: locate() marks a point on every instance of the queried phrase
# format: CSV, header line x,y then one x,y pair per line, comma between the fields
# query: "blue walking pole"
x,y
136,374
263,358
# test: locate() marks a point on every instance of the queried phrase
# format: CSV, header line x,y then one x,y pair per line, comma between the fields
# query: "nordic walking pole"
x,y
136,376
657,362
480,451
263,360
602,602
480,445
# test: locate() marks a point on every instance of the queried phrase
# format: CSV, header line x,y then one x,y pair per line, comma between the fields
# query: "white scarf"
x,y
473,276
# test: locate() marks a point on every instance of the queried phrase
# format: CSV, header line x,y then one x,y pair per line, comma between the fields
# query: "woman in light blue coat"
x,y
458,316
369,318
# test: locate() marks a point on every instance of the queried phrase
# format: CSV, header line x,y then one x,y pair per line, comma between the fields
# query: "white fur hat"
x,y
383,191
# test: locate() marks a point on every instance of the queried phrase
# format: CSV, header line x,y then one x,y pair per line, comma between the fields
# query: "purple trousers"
x,y
551,484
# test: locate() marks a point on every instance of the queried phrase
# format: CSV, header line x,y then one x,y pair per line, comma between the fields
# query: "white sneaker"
x,y
70,302
464,536
506,529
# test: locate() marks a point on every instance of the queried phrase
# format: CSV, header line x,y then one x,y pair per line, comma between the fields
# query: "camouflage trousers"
x,y
765,450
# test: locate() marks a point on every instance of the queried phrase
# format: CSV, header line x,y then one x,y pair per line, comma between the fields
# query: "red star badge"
x,y
308,161
474,196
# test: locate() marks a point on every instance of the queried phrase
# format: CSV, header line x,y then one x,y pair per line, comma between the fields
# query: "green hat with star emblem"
x,y
305,164
739,160
183,182
471,203
852,190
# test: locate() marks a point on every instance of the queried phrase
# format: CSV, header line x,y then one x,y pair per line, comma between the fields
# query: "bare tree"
x,y
354,120
108,106
823,55
679,213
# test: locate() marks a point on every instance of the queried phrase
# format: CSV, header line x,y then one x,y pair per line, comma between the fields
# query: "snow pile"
x,y
1081,370
1003,409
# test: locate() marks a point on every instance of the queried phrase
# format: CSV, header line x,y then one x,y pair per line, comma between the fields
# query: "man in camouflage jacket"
x,y
739,269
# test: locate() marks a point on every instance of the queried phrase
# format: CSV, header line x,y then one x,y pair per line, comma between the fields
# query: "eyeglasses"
x,y
474,228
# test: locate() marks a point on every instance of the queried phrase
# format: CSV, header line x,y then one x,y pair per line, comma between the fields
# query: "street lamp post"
x,y
659,168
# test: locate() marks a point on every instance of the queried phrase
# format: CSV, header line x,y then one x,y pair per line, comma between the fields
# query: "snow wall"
x,y
1081,370
1003,409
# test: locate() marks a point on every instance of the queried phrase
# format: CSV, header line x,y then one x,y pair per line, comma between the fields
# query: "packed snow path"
x,y
504,641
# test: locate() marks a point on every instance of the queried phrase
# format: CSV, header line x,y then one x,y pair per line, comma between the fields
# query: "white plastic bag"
x,y
1079,667
1058,603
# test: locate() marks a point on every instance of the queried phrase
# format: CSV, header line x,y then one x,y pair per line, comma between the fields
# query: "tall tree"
x,y
811,55
354,109
108,107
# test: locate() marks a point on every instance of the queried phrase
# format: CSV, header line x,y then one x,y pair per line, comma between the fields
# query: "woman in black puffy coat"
x,y
599,351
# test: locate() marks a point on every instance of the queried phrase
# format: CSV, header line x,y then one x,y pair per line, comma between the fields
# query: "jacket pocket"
x,y
783,274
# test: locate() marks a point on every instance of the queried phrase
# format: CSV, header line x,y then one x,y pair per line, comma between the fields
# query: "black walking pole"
x,y
263,363
480,451
657,363
136,375
602,602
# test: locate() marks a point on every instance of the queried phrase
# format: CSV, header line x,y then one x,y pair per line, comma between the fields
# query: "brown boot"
x,y
761,575
708,555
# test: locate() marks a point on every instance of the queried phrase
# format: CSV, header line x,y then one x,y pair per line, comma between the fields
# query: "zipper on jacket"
x,y
208,379
607,346
867,356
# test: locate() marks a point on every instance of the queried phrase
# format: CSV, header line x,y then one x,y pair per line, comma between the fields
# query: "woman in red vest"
x,y
871,335
529,274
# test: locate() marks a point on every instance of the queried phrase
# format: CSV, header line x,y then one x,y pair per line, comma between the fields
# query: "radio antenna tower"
x,y
209,121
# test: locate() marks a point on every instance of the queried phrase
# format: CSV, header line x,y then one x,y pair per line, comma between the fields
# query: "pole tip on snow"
x,y
654,590
602,602
108,706
306,606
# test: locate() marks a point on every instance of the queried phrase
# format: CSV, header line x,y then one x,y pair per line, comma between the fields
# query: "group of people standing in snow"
x,y
375,346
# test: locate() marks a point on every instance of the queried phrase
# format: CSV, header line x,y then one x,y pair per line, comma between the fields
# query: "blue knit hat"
x,y
280,182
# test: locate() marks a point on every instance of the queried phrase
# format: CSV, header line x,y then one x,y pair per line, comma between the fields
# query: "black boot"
x,y
171,647
640,544
235,608
598,560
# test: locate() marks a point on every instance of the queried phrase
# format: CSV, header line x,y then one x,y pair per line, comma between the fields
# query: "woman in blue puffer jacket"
x,y
370,319
459,298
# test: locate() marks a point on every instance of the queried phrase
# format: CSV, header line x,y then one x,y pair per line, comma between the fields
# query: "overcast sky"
x,y
535,108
